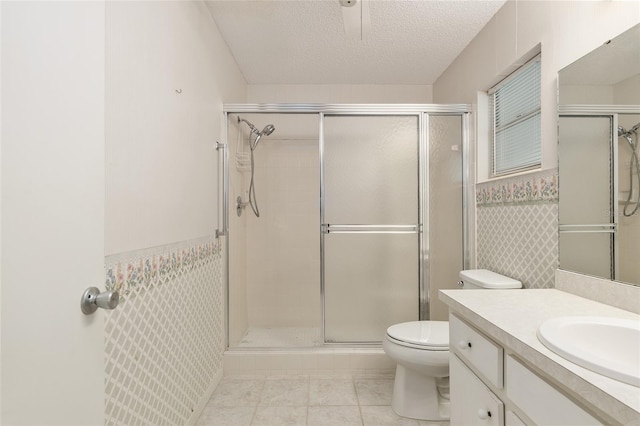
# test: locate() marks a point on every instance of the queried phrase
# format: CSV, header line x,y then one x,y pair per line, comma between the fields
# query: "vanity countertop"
x,y
512,318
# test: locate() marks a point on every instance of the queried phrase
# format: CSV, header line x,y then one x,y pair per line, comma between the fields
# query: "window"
x,y
515,116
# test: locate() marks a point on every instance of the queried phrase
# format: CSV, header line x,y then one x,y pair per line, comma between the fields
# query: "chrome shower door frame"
x,y
612,112
422,113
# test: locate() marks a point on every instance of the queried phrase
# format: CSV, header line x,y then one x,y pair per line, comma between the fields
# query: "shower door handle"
x,y
369,229
609,228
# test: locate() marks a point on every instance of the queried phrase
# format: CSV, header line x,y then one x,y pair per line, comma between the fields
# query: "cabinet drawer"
x,y
543,403
472,403
477,350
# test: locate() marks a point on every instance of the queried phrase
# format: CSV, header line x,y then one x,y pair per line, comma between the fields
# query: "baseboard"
x,y
204,400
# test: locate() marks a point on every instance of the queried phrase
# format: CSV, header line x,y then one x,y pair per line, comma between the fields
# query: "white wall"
x,y
566,30
340,93
160,145
168,74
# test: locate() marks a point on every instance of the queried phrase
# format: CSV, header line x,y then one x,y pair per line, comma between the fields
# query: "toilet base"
x,y
417,396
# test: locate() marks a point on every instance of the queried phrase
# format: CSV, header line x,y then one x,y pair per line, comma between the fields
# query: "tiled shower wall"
x,y
164,343
517,227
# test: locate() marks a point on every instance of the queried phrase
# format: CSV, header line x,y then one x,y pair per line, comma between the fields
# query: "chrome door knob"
x,y
92,299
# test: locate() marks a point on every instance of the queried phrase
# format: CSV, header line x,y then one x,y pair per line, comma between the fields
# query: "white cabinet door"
x,y
52,227
472,403
540,401
511,419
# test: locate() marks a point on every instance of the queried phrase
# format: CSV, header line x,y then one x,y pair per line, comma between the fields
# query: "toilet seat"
x,y
425,335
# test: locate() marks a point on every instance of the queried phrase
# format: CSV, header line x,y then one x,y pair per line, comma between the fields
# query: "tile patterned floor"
x,y
304,400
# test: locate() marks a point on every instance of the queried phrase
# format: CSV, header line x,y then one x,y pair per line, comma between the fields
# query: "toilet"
x,y
421,351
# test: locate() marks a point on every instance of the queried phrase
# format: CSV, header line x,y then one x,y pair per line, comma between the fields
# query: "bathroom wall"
x,y
517,227
563,31
340,93
168,73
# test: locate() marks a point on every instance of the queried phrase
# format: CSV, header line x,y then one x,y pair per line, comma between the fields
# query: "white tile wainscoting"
x,y
164,343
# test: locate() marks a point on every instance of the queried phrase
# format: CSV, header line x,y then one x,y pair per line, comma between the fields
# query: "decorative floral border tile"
x,y
540,187
138,269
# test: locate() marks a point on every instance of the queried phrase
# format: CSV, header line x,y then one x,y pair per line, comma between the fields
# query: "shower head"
x,y
268,129
623,133
251,126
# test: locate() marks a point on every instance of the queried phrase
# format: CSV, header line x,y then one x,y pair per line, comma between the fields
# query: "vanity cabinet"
x,y
481,406
491,387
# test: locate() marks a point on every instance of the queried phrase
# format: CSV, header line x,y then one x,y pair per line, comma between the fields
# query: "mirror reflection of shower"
x,y
631,136
253,144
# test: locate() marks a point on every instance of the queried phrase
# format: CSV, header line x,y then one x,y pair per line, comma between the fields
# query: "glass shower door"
x,y
370,225
587,215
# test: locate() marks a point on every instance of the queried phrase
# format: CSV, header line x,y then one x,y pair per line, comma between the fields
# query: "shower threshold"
x,y
281,337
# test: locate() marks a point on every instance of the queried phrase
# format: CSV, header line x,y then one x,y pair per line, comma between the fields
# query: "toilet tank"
x,y
485,279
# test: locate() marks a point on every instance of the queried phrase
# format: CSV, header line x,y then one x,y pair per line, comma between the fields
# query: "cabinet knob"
x,y
484,414
463,344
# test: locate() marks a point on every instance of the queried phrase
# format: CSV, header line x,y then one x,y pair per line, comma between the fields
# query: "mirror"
x,y
599,172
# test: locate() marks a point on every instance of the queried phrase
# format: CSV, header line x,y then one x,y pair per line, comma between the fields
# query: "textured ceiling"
x,y
304,42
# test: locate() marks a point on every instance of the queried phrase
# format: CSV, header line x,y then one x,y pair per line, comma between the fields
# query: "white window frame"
x,y
531,116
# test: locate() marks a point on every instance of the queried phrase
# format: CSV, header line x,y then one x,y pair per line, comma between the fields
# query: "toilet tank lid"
x,y
488,279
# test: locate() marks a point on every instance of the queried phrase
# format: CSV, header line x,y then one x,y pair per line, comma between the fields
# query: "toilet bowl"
x,y
421,351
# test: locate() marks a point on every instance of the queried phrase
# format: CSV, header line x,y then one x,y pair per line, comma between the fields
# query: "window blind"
x,y
515,107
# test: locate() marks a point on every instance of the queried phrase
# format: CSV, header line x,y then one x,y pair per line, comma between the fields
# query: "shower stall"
x,y
599,173
344,220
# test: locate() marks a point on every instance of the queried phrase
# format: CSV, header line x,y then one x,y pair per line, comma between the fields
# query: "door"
x,y
52,211
587,215
370,226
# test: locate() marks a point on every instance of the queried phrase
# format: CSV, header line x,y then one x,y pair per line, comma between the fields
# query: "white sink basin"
x,y
609,346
